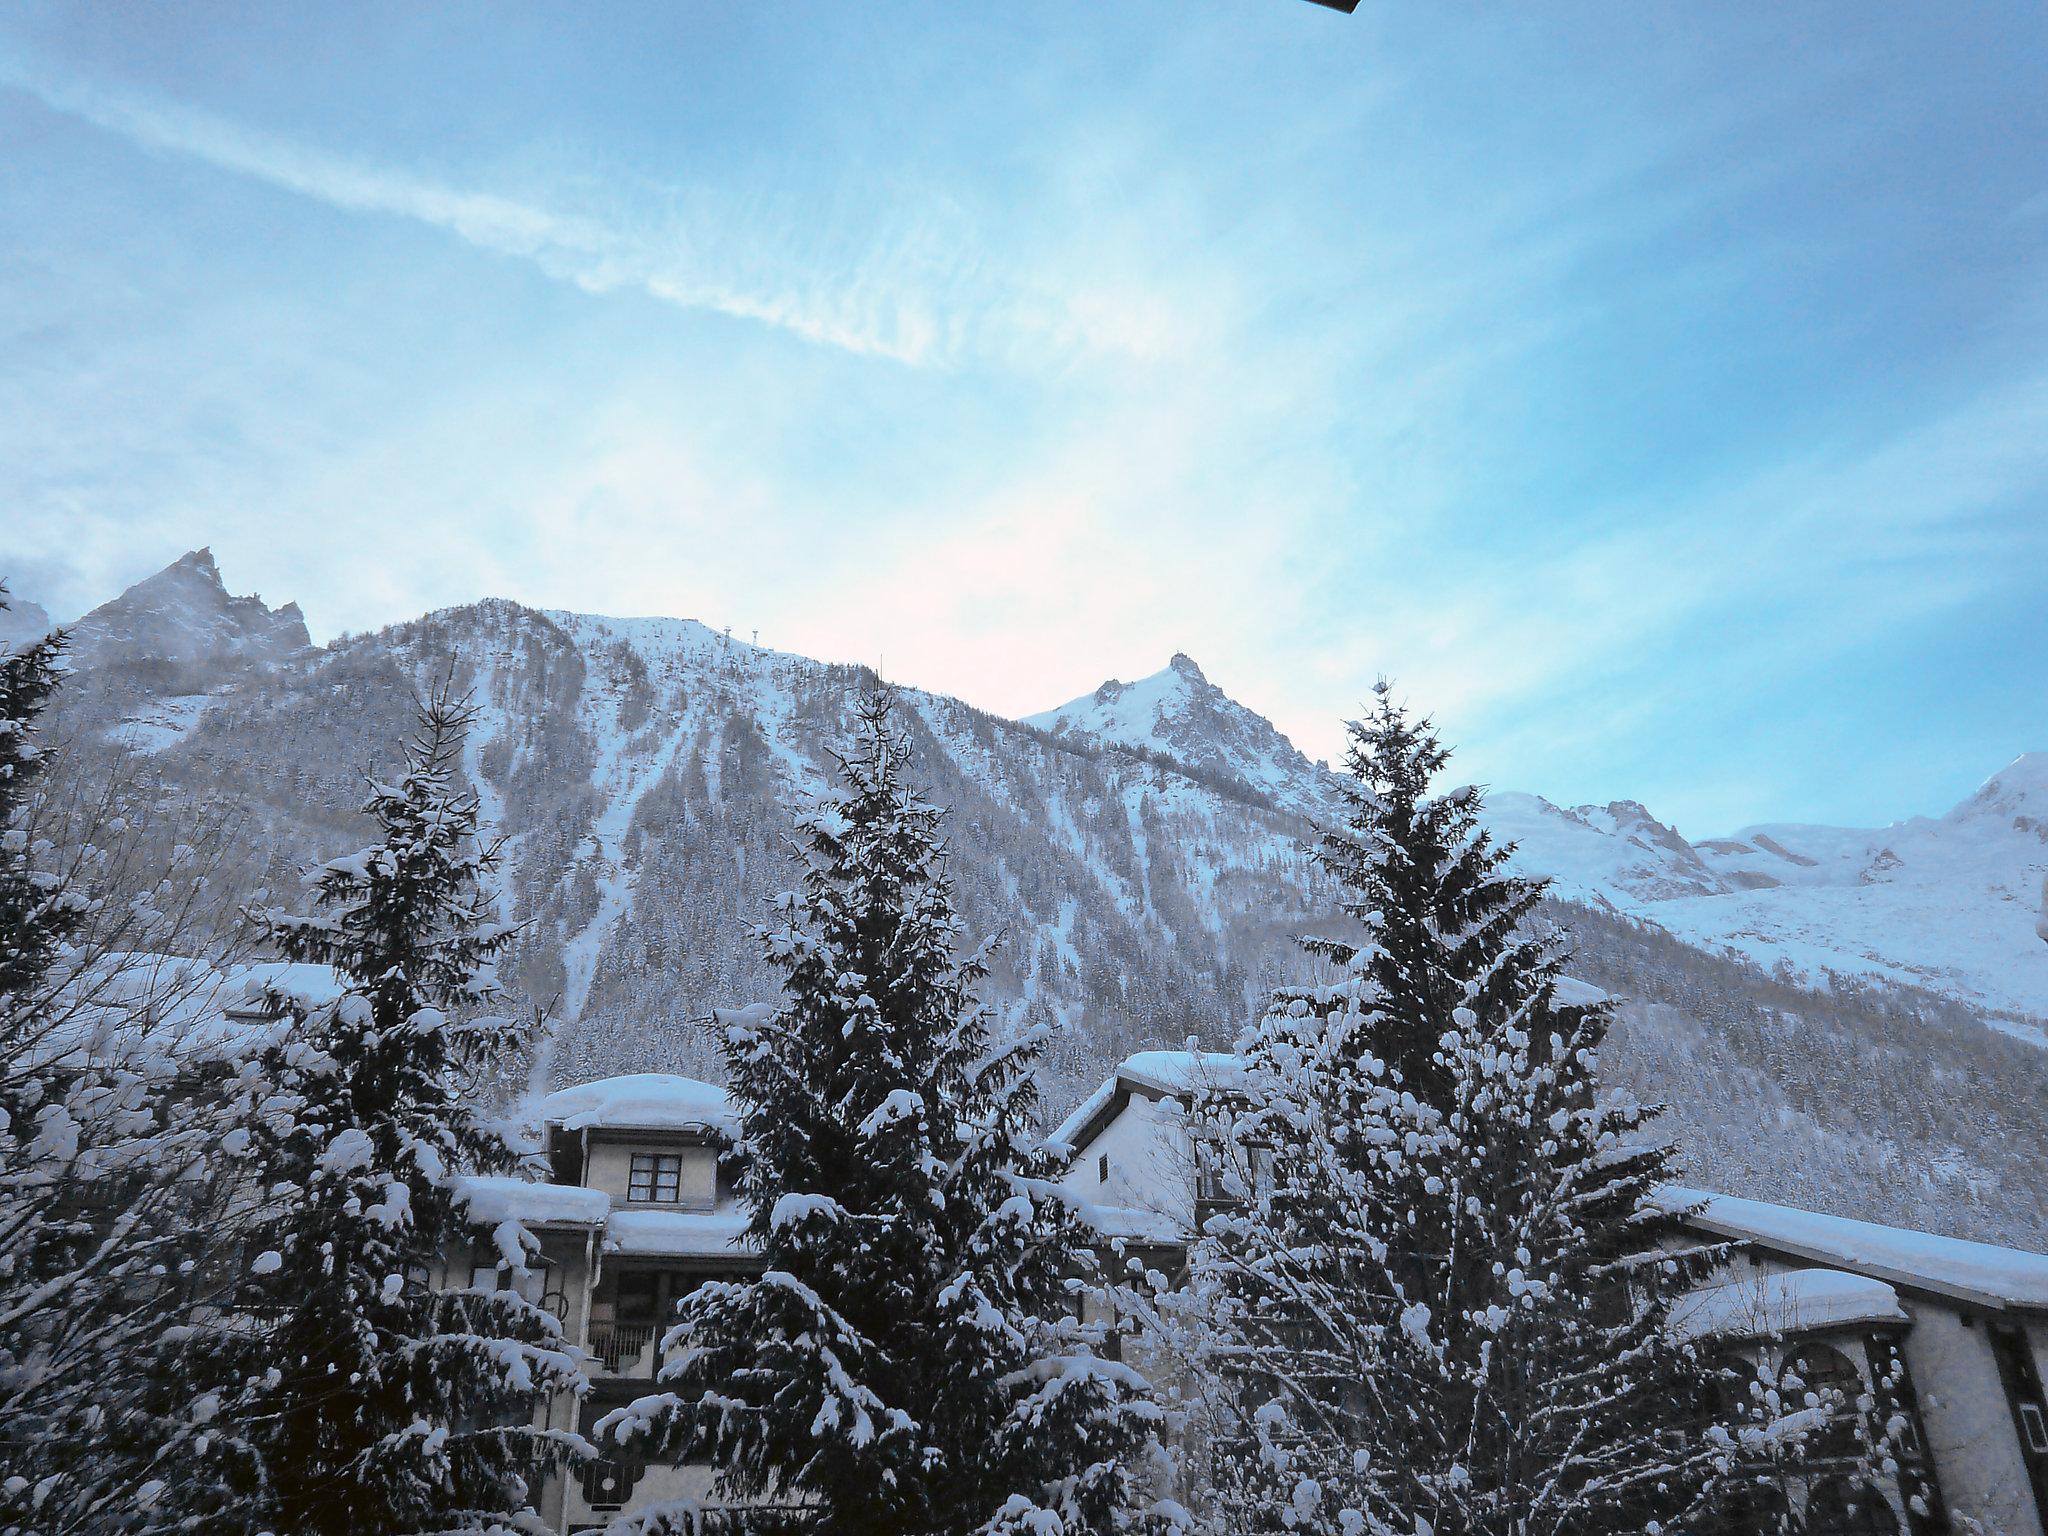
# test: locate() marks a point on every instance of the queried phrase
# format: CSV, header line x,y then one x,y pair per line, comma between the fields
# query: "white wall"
x,y
1151,1167
610,1168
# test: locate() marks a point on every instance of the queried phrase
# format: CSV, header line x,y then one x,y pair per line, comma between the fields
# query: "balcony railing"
x,y
624,1349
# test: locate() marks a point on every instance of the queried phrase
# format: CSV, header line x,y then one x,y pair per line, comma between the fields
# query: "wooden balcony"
x,y
625,1349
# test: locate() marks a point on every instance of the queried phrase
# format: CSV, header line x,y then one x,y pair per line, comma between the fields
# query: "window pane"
x,y
656,1177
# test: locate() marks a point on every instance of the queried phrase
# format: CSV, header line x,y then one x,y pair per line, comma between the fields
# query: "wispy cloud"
x,y
861,316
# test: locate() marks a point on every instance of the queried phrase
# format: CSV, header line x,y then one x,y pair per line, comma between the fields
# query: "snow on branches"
x,y
914,1358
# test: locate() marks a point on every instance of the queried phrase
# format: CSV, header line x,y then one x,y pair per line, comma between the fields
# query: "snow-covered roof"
x,y
1133,1224
500,1197
1574,993
1180,1071
654,1101
151,1012
1977,1272
718,1234
1157,1074
1794,1301
1071,1131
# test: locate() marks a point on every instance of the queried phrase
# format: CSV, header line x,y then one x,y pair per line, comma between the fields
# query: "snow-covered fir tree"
x,y
106,1205
1442,1293
382,1395
37,912
912,1360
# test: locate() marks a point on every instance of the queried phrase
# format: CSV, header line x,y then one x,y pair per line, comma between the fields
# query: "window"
x,y
2037,1427
638,1296
1102,1169
657,1177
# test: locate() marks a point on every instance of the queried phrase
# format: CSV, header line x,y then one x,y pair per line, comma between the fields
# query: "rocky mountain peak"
x,y
1178,713
184,616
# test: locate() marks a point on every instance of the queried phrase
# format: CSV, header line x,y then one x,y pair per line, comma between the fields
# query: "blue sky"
x,y
1659,393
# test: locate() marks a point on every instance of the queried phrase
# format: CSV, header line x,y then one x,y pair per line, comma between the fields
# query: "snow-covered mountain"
x,y
22,620
185,616
1141,850
1180,714
1948,903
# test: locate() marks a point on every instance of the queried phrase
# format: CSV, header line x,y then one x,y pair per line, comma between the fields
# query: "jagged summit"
x,y
1180,714
184,616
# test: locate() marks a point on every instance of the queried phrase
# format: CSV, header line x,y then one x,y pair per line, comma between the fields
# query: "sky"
x,y
1657,393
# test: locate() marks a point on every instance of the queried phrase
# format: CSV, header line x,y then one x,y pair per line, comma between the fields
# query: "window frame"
x,y
661,1169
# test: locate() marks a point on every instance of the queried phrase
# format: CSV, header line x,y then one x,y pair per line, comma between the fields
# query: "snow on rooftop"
x,y
1179,1071
1573,993
1977,1271
1133,1224
1077,1119
1801,1300
492,1198
150,1012
1169,1072
641,1101
678,1234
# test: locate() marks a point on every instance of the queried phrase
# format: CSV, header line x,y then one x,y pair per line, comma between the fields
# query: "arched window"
x,y
1823,1377
1822,1368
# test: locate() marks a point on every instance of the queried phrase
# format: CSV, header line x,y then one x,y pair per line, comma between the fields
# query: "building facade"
x,y
1947,1339
637,1212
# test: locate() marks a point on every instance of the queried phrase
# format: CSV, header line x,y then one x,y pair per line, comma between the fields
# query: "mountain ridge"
x,y
642,770
1945,902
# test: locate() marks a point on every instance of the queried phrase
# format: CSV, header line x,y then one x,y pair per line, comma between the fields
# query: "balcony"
x,y
625,1349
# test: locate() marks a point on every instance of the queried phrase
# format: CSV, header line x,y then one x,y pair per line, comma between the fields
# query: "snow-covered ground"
x,y
163,723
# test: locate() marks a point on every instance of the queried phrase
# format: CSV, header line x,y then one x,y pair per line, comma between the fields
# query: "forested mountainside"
x,y
1140,854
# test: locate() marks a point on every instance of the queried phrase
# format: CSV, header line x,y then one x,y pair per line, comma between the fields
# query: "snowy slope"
x,y
21,621
1951,903
600,734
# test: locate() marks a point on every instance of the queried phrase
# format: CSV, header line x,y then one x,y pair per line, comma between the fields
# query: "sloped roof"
x,y
719,1234
1155,1074
501,1197
1976,1272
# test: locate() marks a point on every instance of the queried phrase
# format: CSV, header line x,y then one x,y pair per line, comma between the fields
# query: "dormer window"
x,y
657,1178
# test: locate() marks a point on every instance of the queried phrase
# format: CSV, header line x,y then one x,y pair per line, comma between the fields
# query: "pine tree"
x,y
380,1397
1444,1296
37,914
911,1360
105,1155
